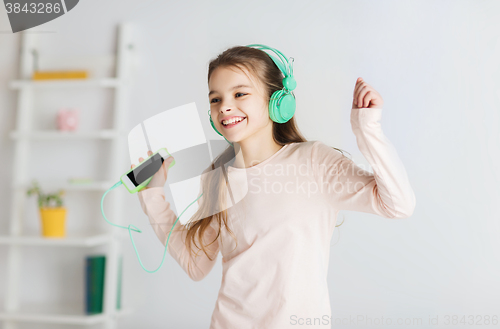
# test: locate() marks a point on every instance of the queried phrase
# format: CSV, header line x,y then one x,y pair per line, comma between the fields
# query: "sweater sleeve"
x,y
162,218
386,192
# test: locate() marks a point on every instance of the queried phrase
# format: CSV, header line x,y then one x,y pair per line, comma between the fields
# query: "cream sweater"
x,y
276,275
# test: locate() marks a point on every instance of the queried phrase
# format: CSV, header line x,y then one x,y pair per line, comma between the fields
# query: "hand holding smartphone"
x,y
151,172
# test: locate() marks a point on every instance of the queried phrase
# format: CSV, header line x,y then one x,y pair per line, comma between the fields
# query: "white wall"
x,y
435,63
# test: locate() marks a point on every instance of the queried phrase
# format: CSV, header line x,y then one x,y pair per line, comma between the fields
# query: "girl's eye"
x,y
215,99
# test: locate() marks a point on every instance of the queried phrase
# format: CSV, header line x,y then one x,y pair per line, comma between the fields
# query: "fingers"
x,y
167,162
357,87
367,98
361,96
164,171
141,159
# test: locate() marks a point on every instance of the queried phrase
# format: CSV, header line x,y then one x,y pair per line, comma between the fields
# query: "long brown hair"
x,y
214,188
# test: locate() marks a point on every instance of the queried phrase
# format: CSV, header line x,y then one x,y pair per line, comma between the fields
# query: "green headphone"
x,y
282,102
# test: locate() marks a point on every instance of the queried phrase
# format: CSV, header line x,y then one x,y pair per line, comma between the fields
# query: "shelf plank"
x,y
66,83
64,135
70,240
64,185
69,313
95,186
44,318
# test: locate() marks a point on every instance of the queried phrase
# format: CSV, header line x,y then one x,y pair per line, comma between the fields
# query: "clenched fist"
x,y
365,96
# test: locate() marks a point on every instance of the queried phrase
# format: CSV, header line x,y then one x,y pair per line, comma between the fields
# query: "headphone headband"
x,y
284,65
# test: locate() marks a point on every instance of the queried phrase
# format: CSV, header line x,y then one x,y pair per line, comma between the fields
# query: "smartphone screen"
x,y
147,169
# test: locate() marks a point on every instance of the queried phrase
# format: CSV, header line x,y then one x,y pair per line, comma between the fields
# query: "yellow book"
x,y
50,75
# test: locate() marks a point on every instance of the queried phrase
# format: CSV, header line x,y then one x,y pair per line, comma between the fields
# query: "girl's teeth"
x,y
233,121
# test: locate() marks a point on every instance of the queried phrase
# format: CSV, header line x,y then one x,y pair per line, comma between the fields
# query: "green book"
x,y
95,269
94,283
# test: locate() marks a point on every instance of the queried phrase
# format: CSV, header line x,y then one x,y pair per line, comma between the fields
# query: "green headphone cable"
x,y
129,228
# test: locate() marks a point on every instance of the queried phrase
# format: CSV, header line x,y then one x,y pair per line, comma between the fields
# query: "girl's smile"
x,y
232,121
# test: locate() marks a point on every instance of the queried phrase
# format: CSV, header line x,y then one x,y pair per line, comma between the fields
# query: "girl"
x,y
275,237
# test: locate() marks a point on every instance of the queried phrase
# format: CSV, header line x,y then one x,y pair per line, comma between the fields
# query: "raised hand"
x,y
365,96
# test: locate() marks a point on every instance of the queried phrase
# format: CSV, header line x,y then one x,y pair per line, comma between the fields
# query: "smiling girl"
x,y
270,200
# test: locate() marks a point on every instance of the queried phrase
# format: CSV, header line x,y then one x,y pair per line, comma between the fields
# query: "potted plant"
x,y
52,211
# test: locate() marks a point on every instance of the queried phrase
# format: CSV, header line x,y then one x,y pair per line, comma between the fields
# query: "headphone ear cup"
x,y
273,107
287,107
285,110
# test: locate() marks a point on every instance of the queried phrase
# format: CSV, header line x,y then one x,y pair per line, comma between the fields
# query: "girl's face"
x,y
236,94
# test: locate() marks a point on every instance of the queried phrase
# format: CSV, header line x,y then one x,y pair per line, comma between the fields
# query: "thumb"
x,y
165,166
168,161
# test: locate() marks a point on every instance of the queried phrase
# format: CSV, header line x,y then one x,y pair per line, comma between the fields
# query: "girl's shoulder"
x,y
302,148
313,149
307,145
316,150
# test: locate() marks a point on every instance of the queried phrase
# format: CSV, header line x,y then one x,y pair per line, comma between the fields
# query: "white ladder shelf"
x,y
22,137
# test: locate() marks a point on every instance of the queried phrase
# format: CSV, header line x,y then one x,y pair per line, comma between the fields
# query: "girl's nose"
x,y
225,105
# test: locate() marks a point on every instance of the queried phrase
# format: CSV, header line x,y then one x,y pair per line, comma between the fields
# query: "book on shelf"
x,y
95,269
52,75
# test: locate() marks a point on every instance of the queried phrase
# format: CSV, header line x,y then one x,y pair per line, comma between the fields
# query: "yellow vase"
x,y
53,221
